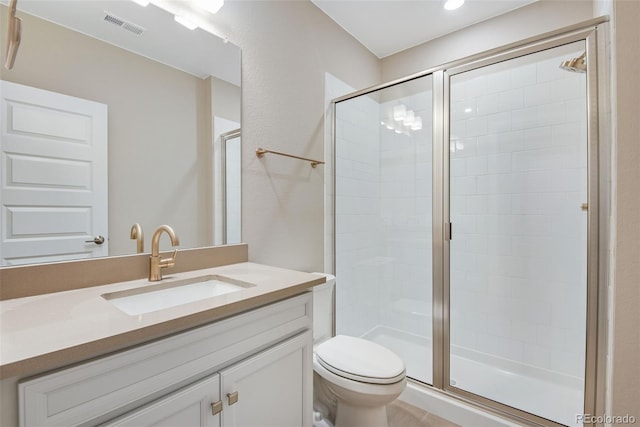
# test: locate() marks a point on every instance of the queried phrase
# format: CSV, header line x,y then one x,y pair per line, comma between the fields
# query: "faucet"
x,y
156,264
136,233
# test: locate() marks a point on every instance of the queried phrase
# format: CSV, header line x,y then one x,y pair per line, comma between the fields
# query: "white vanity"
x,y
249,365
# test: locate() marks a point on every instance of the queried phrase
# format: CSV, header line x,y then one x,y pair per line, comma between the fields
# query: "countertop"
x,y
49,331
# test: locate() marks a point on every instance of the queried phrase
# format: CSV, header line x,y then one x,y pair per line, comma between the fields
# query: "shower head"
x,y
577,65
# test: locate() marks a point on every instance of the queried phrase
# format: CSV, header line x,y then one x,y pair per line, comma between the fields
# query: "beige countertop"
x,y
49,331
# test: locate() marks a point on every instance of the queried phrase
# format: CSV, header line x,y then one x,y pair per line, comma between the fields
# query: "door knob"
x,y
98,240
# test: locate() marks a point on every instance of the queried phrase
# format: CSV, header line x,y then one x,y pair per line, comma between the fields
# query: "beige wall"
x,y
159,128
287,46
528,21
625,384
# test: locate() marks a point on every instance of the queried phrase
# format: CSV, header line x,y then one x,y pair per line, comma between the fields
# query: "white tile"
x,y
498,326
499,163
499,122
569,134
576,111
499,245
458,205
561,203
476,126
499,203
476,204
488,104
524,331
537,94
510,141
532,182
567,363
458,128
525,203
525,118
537,356
463,109
458,167
549,70
512,99
464,185
532,225
523,76
569,88
498,81
476,165
496,184
488,144
465,224
476,87
553,113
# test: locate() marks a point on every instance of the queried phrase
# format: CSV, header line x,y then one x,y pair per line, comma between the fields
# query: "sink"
x,y
171,293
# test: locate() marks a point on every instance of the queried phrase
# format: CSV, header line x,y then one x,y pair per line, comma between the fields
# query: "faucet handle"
x,y
169,262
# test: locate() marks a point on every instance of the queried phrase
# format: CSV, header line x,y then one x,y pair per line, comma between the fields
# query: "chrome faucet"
x,y
156,264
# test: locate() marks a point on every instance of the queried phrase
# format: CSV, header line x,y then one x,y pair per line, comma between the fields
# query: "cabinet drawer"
x,y
96,391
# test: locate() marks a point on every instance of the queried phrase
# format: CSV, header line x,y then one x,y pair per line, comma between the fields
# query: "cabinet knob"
x,y
216,407
232,397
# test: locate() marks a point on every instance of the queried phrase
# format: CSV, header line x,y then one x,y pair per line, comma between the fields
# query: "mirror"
x,y
167,94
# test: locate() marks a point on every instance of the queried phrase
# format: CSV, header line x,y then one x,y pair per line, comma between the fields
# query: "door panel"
x,y
518,256
189,407
272,388
54,180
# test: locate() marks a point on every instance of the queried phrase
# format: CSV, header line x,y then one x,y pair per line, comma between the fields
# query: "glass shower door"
x,y
518,253
383,220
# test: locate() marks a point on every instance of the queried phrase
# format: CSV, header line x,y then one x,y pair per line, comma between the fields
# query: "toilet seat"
x,y
360,360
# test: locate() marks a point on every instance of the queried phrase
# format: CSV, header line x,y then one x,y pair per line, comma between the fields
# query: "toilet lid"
x,y
360,360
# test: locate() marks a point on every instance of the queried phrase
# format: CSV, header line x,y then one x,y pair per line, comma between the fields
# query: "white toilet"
x,y
362,376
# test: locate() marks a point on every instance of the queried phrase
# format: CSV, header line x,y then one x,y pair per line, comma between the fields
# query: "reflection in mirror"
x,y
231,187
157,97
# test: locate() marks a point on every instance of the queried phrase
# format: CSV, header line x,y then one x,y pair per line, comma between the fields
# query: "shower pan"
x,y
466,226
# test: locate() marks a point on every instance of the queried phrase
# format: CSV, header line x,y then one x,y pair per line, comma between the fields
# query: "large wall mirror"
x,y
112,111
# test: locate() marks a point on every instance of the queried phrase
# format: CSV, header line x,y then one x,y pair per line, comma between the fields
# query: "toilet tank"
x,y
323,309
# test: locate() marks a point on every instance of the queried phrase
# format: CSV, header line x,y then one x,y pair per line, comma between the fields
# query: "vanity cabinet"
x,y
253,369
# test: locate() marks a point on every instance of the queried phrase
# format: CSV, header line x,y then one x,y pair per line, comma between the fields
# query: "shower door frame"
x,y
593,33
442,131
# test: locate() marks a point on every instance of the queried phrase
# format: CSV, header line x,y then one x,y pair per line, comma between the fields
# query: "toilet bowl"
x,y
354,379
362,376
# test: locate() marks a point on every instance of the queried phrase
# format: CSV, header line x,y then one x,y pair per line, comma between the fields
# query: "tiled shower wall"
x,y
383,218
405,219
518,180
358,274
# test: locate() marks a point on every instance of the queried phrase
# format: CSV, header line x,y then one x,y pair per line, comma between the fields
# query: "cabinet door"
x,y
192,406
274,388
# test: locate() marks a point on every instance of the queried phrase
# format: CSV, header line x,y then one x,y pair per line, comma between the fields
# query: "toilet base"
x,y
360,416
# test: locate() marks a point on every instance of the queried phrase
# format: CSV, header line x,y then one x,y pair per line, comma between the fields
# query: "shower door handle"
x,y
448,231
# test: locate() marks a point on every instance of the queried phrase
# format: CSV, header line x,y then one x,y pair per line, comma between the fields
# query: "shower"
x,y
471,263
576,65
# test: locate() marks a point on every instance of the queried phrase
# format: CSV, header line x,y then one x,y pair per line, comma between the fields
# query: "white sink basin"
x,y
169,293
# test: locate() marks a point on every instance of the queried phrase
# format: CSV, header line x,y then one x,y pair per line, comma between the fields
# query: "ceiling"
x,y
148,31
386,27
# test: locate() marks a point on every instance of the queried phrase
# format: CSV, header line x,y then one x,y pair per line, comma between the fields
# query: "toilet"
x,y
360,376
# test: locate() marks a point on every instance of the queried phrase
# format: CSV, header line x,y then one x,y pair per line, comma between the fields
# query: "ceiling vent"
x,y
124,24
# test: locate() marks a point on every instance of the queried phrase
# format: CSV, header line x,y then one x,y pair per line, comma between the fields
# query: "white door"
x,y
192,406
53,197
271,389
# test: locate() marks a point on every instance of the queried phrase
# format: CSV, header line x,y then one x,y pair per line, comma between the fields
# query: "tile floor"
x,y
401,414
